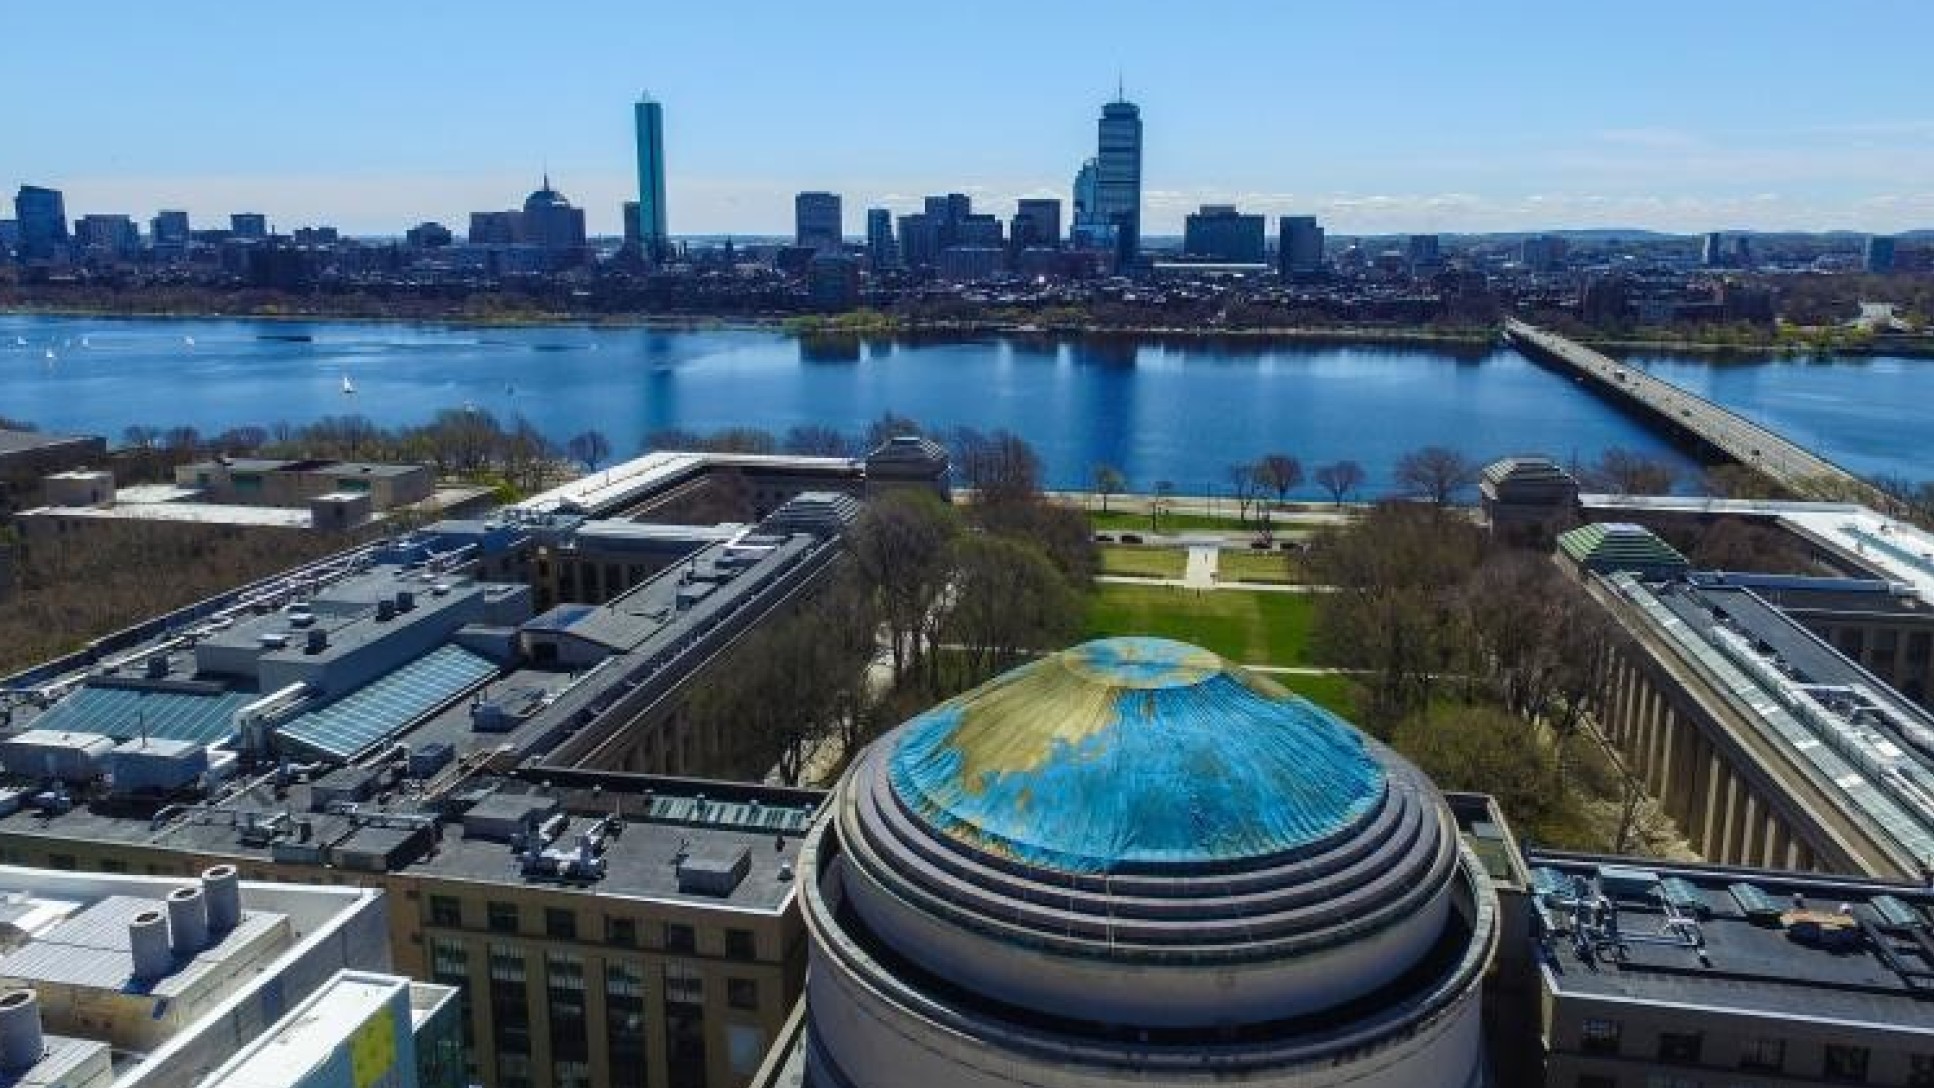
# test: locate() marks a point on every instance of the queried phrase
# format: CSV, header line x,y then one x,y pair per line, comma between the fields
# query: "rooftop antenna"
x,y
1120,95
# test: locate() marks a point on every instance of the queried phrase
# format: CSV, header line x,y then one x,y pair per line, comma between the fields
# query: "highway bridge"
x,y
1687,415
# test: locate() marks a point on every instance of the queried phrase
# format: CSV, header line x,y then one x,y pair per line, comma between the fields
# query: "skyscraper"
x,y
1087,227
879,239
1118,173
1221,233
818,222
1299,246
42,214
248,225
1880,254
1037,222
649,118
170,228
1714,252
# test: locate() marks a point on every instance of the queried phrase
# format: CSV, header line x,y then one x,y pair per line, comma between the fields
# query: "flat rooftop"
x,y
185,513
12,441
624,484
1857,738
1764,952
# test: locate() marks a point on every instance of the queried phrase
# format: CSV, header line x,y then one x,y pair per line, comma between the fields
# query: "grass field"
x,y
1340,695
1246,565
1116,521
1249,628
1143,562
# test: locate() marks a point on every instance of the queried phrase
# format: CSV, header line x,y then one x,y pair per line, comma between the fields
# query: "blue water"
x,y
1157,411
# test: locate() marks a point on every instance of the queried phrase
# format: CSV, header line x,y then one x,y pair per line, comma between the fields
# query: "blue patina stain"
x,y
1133,754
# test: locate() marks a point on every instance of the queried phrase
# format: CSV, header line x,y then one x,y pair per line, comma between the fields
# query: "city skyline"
x,y
1496,118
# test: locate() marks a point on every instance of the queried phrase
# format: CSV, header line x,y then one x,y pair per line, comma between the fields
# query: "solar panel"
x,y
126,713
385,707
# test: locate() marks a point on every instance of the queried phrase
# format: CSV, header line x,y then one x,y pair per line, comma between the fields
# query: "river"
x,y
1175,411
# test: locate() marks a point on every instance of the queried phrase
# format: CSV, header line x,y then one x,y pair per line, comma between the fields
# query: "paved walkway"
x,y
1200,573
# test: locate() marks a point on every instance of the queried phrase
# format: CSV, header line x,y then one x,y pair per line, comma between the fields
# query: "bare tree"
x,y
1245,486
817,440
888,427
1280,473
1008,601
1159,505
902,546
1628,472
1108,481
1437,473
1339,478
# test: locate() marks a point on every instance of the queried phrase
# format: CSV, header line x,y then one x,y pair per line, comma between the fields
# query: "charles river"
x,y
1173,410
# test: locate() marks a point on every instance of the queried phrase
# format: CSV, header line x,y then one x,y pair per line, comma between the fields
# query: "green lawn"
x,y
1143,562
1249,628
1340,695
1116,521
1256,565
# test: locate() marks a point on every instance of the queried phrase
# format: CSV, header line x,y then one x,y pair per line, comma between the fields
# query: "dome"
x,y
545,197
1134,755
1133,860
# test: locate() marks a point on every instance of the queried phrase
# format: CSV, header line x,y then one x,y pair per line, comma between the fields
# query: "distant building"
x,y
1880,255
1713,253
107,237
1088,230
1605,300
493,228
316,236
649,219
833,281
1220,233
1037,222
1742,251
966,264
1424,254
1544,253
1528,500
427,235
1299,246
880,250
919,240
818,221
248,225
42,215
554,227
170,228
1118,175
978,230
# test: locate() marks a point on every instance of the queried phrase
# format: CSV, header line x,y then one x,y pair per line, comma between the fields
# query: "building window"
x,y
624,1018
1845,1064
1598,1036
560,925
684,1027
502,917
571,1074
564,990
62,861
1763,1055
741,944
684,985
680,938
1680,1047
509,1008
1920,1071
622,932
745,1047
513,1071
446,910
742,993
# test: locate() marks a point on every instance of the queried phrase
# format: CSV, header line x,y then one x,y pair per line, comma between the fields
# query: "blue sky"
x,y
1419,116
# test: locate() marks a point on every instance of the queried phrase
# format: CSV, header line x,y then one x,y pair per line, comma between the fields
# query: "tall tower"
x,y
1118,174
649,118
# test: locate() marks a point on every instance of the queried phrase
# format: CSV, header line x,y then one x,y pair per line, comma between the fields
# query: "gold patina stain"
x,y
1014,724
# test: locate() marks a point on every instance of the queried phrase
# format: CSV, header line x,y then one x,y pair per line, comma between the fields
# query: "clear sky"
x,y
1422,115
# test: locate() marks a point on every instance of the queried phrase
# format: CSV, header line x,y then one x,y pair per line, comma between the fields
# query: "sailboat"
x,y
348,387
188,341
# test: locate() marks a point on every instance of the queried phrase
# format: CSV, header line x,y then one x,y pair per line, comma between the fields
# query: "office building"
x,y
428,235
252,225
1424,254
106,237
494,228
1315,920
42,218
1118,175
919,240
1221,234
1088,230
833,280
1880,255
1544,253
881,252
1652,973
1299,246
648,120
550,223
1037,222
971,264
170,228
1713,253
817,222
116,981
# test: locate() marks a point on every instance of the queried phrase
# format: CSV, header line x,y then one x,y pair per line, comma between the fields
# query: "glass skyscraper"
x,y
1118,174
650,120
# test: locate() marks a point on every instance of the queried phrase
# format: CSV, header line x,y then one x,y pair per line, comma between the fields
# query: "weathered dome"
x,y
1134,755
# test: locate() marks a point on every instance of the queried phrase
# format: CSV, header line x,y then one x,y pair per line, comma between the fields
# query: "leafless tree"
x,y
1108,481
1339,478
1280,473
1437,473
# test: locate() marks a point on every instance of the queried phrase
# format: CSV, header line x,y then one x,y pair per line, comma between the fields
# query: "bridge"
x,y
1686,414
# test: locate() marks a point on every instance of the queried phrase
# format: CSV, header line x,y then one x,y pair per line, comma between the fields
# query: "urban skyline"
x,y
1530,122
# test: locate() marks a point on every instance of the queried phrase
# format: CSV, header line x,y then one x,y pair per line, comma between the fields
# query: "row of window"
x,y
1840,1063
561,924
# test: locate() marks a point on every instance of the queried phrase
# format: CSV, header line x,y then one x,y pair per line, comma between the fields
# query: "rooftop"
x,y
1614,546
12,441
1756,942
